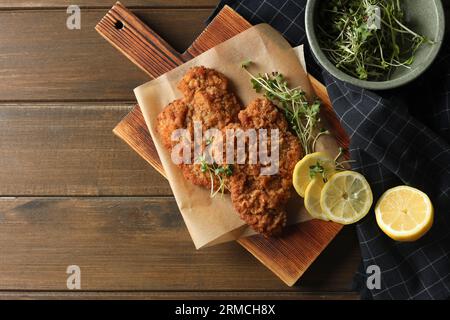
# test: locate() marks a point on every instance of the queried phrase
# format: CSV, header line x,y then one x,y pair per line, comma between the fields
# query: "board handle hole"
x,y
118,25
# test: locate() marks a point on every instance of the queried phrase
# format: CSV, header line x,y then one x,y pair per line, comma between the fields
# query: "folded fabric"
x,y
397,137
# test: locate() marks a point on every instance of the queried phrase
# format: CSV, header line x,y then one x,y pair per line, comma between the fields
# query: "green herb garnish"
x,y
360,49
215,171
209,141
320,166
315,170
340,164
246,63
302,116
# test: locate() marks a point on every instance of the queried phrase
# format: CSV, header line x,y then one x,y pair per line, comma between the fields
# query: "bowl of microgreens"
x,y
375,44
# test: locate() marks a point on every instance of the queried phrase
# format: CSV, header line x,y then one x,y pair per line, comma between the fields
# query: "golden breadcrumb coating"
x,y
260,200
206,100
175,116
203,79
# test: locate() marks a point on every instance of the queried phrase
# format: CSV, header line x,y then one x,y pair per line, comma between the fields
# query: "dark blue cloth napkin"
x,y
397,137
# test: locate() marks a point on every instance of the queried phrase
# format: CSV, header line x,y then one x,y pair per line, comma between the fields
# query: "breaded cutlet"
x,y
206,100
260,200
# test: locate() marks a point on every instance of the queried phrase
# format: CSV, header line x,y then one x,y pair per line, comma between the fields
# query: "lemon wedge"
x,y
312,199
301,177
404,213
346,198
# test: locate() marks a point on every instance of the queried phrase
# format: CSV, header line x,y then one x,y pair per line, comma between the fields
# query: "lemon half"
x,y
346,198
404,213
301,177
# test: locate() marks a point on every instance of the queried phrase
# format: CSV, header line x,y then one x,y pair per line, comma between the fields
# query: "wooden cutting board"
x,y
289,256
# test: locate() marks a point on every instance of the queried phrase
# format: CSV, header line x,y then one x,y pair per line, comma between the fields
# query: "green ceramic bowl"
x,y
424,16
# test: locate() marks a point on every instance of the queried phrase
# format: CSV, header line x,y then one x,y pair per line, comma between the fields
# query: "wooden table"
x,y
66,195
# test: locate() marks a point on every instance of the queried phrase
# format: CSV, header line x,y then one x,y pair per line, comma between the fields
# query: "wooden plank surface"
x,y
25,4
122,244
69,150
40,60
45,61
65,148
194,295
29,71
81,157
288,256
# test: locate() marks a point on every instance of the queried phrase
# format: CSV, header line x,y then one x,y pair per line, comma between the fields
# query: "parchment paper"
x,y
214,221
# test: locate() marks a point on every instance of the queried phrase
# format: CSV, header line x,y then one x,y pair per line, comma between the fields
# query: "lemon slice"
x,y
346,198
312,199
301,177
404,213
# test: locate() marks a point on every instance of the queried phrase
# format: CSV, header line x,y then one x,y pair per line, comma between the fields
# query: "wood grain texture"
x,y
45,61
27,4
139,244
138,42
223,27
171,295
66,149
69,150
133,125
288,256
292,254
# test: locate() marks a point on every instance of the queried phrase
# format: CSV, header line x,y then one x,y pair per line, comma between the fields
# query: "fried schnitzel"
x,y
206,100
260,200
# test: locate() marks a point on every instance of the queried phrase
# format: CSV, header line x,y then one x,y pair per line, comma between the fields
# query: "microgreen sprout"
x,y
209,141
317,169
303,117
221,173
358,48
340,164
